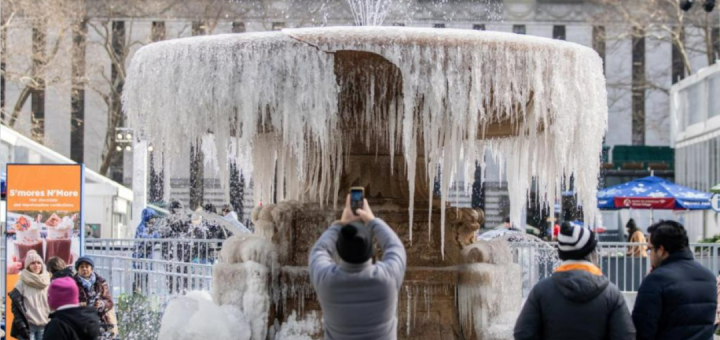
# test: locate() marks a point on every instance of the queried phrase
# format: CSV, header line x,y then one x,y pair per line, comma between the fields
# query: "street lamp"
x,y
124,139
686,5
708,5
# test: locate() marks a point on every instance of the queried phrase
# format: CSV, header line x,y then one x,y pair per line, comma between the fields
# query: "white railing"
x,y
152,278
176,250
169,266
538,261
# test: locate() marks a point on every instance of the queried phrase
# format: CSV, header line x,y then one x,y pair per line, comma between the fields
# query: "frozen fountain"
x,y
311,112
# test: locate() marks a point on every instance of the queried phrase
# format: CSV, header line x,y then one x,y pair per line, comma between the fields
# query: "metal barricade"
x,y
178,250
623,263
156,278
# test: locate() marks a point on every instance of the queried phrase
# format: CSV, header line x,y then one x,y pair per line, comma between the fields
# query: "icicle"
x,y
273,97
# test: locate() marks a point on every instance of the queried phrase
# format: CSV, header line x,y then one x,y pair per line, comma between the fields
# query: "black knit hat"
x,y
85,259
354,244
575,242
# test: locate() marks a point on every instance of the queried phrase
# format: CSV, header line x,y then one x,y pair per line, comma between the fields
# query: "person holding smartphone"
x,y
358,297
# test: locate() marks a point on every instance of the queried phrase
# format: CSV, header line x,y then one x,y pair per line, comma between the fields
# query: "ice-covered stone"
x,y
269,101
196,316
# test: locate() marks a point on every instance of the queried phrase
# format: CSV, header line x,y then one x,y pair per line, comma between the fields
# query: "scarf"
x,y
37,281
579,265
88,283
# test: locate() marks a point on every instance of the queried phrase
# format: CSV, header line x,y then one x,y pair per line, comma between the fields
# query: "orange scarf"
x,y
588,267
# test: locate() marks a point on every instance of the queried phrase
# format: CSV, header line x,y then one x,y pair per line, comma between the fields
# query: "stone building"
x,y
76,115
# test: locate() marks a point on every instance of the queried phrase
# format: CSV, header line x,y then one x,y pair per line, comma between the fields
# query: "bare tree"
x,y
49,21
107,26
651,22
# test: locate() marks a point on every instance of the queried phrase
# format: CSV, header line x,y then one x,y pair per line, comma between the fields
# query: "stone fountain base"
x,y
266,276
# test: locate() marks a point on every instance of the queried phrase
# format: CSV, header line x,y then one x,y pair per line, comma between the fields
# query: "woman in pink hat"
x,y
69,320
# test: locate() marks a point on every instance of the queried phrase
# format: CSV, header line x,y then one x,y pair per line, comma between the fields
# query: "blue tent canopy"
x,y
652,193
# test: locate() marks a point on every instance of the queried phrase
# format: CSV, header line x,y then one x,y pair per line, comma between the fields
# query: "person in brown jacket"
x,y
636,236
94,292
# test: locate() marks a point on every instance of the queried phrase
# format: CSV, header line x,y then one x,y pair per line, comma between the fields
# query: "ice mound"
x,y
196,316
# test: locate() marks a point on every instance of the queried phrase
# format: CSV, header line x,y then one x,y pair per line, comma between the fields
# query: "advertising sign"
x,y
44,209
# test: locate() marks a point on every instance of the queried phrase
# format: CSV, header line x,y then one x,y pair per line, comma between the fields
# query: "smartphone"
x,y
357,195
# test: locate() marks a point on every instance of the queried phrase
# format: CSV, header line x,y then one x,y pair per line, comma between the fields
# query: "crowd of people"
x,y
182,227
183,224
59,303
677,300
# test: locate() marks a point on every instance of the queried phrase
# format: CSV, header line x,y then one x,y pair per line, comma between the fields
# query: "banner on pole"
x,y
44,215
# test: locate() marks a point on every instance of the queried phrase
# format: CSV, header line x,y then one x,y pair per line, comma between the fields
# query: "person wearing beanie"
x,y
577,301
94,292
29,299
358,298
69,320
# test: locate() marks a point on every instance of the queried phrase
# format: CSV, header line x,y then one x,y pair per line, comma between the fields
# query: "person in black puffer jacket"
x,y
69,320
577,301
678,299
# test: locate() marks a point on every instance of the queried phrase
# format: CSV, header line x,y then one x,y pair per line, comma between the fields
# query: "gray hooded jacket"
x,y
574,305
359,301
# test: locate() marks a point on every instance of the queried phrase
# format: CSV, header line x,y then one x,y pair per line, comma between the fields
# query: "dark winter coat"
x,y
67,272
81,323
100,292
677,300
20,329
572,305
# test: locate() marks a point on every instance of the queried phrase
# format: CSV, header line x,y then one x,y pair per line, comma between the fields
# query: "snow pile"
x,y
272,97
195,316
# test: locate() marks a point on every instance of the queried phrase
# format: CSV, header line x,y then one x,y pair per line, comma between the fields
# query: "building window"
x,y
157,32
398,24
439,25
77,95
479,27
37,101
238,27
559,32
118,49
638,87
599,42
3,47
716,42
678,66
519,29
276,26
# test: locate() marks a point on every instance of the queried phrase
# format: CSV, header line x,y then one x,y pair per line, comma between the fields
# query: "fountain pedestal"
x,y
469,293
476,298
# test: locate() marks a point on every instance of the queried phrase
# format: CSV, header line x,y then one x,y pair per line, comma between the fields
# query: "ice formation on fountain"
x,y
267,97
